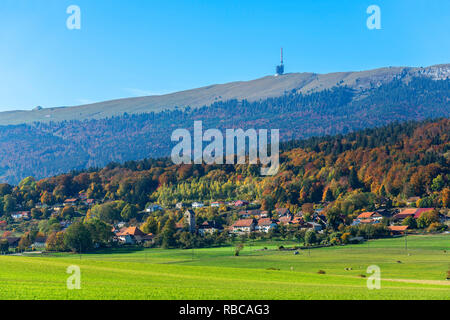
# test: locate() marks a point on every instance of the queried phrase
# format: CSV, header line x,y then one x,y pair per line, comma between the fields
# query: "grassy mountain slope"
x,y
255,90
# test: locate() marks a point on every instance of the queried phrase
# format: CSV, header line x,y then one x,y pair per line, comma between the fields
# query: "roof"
x,y
282,211
366,215
285,220
265,222
422,210
398,228
243,223
71,200
133,231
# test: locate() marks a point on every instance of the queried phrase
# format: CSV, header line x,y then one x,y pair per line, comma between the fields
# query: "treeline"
x,y
46,149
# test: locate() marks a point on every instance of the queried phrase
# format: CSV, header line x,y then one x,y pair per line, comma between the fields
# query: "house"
x,y
264,214
368,218
153,208
217,204
384,212
285,220
82,196
397,230
71,202
3,223
179,205
132,235
420,211
365,221
282,212
39,242
240,203
197,205
89,202
411,212
265,225
370,215
20,215
412,201
244,226
313,225
13,241
208,227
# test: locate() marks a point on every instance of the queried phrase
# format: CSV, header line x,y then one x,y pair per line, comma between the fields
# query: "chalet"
x,y
244,226
208,227
197,205
265,225
397,230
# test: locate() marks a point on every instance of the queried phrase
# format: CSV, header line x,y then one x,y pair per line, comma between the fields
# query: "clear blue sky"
x,y
136,47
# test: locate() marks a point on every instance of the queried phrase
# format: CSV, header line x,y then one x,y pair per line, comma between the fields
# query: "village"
x,y
240,220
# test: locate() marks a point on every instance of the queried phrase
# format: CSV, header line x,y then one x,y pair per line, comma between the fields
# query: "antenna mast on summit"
x,y
280,69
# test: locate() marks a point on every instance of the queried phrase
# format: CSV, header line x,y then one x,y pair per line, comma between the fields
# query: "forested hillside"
x,y
352,172
46,149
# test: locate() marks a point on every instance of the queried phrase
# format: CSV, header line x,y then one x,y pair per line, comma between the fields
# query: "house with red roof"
x,y
133,235
397,230
244,226
411,212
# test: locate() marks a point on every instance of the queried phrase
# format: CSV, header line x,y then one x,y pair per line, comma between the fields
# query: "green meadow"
x,y
419,272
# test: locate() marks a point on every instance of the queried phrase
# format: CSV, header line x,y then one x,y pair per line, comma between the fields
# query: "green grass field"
x,y
216,273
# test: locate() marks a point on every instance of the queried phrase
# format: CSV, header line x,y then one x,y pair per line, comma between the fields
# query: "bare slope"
x,y
270,86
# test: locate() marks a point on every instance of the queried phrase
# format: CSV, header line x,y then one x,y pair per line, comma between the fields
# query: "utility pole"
x,y
406,241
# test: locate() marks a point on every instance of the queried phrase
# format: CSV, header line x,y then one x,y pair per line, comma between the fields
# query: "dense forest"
x,y
396,162
46,149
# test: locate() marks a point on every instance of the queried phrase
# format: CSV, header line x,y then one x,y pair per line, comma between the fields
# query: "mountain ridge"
x,y
252,90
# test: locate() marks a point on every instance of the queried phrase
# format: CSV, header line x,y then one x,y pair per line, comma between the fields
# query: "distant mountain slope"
x,y
46,149
255,90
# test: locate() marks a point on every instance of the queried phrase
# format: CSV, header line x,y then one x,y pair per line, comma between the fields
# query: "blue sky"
x,y
137,47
